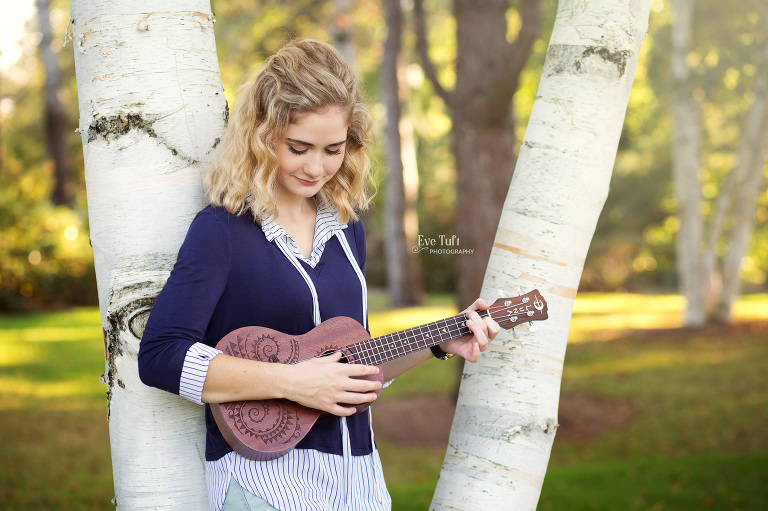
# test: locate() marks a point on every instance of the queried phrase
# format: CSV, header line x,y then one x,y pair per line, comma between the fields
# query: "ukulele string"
x,y
400,342
388,348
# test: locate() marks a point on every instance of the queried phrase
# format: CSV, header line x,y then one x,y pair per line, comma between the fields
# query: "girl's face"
x,y
311,152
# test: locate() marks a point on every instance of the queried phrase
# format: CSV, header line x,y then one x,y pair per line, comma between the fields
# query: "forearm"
x,y
398,366
237,379
322,383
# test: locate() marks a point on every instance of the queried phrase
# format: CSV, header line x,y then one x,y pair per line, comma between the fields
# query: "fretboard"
x,y
388,347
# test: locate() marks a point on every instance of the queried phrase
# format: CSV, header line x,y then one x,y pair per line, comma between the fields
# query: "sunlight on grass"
x,y
386,322
614,312
689,396
51,360
20,392
606,316
51,334
655,359
753,306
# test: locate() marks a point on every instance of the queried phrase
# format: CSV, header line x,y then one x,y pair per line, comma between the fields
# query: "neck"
x,y
294,208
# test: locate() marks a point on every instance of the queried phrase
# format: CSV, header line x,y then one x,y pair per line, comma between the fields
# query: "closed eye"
x,y
332,152
297,151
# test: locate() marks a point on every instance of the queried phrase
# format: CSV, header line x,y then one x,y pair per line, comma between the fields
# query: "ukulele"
x,y
268,429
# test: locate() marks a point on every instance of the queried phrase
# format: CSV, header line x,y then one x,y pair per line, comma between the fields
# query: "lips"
x,y
307,183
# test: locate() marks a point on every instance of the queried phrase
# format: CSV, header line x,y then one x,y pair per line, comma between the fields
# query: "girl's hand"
x,y
328,385
484,330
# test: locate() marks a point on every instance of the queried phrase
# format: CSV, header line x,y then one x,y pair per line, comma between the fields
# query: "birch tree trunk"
x,y
711,283
686,163
748,178
506,415
151,110
400,219
342,30
55,118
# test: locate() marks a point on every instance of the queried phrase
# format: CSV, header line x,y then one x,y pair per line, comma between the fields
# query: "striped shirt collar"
x,y
326,224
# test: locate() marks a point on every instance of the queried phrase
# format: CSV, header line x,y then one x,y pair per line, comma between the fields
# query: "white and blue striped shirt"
x,y
304,479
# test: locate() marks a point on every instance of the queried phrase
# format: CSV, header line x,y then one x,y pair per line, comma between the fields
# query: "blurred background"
x,y
647,420
43,204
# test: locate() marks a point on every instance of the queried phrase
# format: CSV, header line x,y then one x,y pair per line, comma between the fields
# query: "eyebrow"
x,y
301,142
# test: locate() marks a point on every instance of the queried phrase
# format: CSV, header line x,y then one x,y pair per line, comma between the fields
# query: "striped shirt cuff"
x,y
194,371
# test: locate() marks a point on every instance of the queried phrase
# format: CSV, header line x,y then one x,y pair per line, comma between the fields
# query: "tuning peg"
x,y
514,333
531,328
502,294
519,290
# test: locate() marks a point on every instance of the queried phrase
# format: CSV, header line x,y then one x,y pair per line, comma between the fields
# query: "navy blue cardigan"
x,y
227,276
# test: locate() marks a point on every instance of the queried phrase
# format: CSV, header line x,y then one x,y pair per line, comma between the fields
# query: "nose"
x,y
314,166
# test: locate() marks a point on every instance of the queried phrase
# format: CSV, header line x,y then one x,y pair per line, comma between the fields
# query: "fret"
x,y
398,344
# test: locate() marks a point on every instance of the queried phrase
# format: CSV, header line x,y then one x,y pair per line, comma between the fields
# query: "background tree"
x,y
710,246
488,69
744,186
146,143
686,165
56,122
506,417
401,183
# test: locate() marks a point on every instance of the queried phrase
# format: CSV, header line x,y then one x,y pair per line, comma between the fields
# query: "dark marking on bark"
x,y
119,125
226,112
216,142
131,317
564,58
618,57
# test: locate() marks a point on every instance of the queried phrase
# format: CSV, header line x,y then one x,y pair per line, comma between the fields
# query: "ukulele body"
x,y
268,429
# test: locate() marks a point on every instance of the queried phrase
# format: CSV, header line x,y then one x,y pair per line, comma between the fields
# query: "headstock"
x,y
511,312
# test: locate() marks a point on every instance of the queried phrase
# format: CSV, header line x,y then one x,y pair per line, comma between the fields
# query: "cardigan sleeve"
x,y
183,309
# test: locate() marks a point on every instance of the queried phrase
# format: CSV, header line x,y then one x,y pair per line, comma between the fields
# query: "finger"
x,y
358,398
334,356
474,320
341,411
474,355
356,385
493,327
361,370
478,304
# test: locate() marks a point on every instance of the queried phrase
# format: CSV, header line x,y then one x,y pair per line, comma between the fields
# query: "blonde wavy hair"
x,y
303,76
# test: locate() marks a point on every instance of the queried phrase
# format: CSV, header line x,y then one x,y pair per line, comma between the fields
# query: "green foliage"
x,y
46,260
633,246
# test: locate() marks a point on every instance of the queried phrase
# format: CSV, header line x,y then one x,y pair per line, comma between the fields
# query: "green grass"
x,y
697,438
726,482
55,441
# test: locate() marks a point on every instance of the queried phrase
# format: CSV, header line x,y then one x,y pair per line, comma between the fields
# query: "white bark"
x,y
749,179
506,416
151,110
686,163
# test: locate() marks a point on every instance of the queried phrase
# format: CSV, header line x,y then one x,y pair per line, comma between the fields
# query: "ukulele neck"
x,y
388,347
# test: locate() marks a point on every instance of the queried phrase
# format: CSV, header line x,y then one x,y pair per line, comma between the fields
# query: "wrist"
x,y
439,352
283,380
